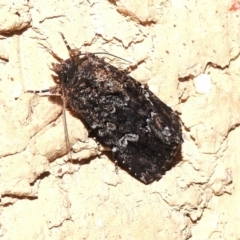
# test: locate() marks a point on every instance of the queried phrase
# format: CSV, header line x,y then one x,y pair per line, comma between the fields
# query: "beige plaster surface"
x,y
188,53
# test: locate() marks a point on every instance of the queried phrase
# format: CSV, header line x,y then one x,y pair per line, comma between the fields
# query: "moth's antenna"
x,y
65,41
71,53
107,54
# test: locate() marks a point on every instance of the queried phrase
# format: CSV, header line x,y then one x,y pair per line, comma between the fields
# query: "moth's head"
x,y
64,71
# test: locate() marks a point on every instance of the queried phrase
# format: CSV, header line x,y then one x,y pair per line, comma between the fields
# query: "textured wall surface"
x,y
188,53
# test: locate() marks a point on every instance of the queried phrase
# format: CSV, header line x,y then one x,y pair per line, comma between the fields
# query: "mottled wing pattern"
x,y
142,131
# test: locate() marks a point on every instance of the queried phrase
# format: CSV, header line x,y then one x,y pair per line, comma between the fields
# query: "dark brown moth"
x,y
143,133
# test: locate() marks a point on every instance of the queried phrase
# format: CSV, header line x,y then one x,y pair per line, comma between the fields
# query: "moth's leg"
x,y
44,93
56,91
53,91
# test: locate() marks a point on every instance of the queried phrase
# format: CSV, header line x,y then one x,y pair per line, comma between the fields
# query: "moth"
x,y
143,133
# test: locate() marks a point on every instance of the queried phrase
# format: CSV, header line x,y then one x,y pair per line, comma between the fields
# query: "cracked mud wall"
x,y
188,54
